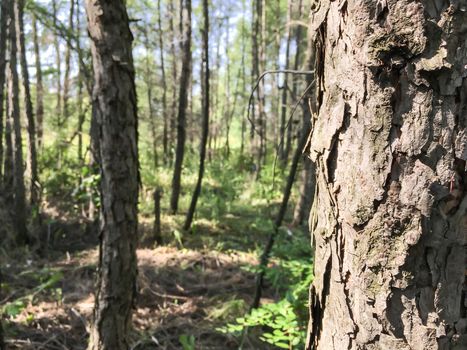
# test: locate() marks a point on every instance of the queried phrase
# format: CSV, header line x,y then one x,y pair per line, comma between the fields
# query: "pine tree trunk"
x,y
173,109
58,61
297,62
81,77
182,104
8,156
389,219
285,91
148,82
306,193
3,41
205,105
39,85
31,123
164,84
66,79
15,120
255,32
115,110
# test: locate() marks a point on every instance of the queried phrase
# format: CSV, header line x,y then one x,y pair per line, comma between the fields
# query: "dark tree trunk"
x,y
157,217
205,111
149,83
306,193
257,132
280,217
66,79
58,61
81,77
39,85
3,41
8,157
185,25
15,120
164,84
115,113
285,88
389,220
32,154
243,130
173,53
297,61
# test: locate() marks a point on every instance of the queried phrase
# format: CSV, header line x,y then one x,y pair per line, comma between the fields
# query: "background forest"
x,y
202,266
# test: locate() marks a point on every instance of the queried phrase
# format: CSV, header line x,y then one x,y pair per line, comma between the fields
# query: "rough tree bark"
x,y
205,112
31,123
185,26
115,112
389,218
19,191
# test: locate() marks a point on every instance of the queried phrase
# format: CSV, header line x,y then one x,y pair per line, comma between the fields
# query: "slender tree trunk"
x,y
261,97
157,231
216,115
285,91
8,173
3,42
205,106
243,63
58,61
81,112
152,118
116,119
39,85
297,60
227,102
14,116
279,218
185,25
173,52
257,127
390,145
32,154
164,84
67,81
306,193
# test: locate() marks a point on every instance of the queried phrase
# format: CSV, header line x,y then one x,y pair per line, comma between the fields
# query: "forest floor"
x,y
188,289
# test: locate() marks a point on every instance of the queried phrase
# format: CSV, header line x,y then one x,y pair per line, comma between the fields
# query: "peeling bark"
x,y
389,218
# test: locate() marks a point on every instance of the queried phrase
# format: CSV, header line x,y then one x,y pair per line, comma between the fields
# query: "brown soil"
x,y
182,293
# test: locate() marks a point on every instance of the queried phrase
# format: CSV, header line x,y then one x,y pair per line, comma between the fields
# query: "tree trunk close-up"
x,y
116,121
389,217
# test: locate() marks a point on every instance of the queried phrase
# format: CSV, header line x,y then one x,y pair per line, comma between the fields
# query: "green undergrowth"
x,y
235,213
281,323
